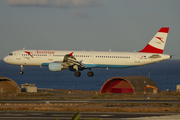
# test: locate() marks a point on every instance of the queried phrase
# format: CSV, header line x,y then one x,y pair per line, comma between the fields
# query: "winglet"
x,y
157,43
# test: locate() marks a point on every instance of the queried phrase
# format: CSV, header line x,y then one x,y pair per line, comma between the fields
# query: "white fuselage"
x,y
58,60
92,59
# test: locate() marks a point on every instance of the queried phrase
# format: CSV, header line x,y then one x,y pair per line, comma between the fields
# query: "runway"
x,y
30,115
47,114
84,101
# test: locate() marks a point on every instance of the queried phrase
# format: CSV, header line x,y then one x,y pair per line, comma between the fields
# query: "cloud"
x,y
78,14
153,15
178,15
53,3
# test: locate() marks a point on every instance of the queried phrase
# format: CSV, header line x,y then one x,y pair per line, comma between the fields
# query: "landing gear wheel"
x,y
90,73
77,74
22,67
21,72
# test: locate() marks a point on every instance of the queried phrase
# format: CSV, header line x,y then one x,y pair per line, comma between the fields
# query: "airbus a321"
x,y
58,60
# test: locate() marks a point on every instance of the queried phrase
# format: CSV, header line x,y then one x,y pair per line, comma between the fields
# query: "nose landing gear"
x,y
22,67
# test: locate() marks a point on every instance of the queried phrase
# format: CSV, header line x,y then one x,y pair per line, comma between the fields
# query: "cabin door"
x,y
137,58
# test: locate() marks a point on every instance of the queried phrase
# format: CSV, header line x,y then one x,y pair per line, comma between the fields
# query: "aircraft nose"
x,y
6,59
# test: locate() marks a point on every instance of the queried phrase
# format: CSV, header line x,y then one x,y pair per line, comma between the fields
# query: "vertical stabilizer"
x,y
157,43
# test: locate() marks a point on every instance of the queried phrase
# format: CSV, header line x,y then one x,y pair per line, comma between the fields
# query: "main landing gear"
x,y
78,74
22,67
90,73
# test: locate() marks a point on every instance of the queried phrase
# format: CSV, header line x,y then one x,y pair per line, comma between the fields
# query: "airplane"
x,y
58,60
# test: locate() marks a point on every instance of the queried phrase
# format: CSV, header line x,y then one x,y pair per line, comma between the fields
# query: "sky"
x,y
99,25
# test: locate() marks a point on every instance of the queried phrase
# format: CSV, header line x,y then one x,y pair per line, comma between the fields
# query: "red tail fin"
x,y
157,43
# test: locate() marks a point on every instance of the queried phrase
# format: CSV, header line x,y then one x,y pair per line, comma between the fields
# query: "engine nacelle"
x,y
55,66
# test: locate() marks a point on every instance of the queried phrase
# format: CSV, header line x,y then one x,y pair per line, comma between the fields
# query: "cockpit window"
x,y
10,53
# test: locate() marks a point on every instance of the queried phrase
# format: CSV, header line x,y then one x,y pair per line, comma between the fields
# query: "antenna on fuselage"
x,y
109,50
23,48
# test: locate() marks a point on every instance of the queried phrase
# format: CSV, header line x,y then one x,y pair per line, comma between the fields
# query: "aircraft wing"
x,y
70,60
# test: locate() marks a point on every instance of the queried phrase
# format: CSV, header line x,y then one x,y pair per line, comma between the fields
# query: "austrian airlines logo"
x,y
160,38
29,53
71,54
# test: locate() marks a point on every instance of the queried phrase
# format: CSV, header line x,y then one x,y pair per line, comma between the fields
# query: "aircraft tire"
x,y
21,72
90,73
77,74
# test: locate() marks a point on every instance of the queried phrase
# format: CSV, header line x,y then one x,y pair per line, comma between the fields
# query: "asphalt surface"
x,y
36,115
84,101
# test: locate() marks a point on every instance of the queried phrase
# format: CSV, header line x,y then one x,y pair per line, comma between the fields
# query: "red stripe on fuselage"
x,y
164,29
151,49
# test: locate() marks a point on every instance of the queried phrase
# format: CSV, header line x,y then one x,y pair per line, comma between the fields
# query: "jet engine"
x,y
56,67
